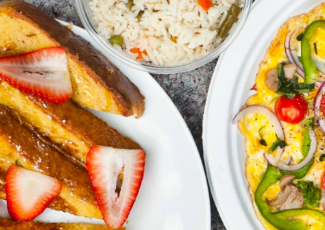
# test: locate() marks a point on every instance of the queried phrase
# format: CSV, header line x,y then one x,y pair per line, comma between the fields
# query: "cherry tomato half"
x,y
291,110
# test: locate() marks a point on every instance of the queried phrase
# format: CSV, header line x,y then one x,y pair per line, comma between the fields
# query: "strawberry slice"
x,y
43,73
116,176
29,193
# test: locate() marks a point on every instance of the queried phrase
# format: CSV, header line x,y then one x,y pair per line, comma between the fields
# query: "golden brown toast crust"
x,y
85,128
130,100
6,224
19,145
82,122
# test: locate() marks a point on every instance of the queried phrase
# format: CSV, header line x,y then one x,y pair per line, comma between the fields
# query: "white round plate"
x,y
234,75
174,193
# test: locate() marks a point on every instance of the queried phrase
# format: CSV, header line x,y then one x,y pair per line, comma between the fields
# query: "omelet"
x,y
256,126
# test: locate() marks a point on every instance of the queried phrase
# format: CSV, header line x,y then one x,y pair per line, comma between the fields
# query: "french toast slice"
x,y
6,224
66,126
96,83
22,147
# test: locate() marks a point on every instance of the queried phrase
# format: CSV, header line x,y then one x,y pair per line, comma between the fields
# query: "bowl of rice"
x,y
163,36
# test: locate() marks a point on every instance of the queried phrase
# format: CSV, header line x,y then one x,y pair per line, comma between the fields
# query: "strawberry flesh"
x,y
43,73
106,166
29,193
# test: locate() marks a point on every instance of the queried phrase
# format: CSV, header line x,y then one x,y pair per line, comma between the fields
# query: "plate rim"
x,y
204,129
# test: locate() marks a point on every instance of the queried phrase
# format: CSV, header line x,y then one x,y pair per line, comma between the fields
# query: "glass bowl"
x,y
84,12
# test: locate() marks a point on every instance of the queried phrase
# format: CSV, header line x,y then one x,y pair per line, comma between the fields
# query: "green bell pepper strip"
x,y
305,149
301,172
288,215
305,142
271,177
287,219
311,74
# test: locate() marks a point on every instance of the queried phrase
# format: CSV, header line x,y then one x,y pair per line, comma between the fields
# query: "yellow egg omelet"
x,y
255,125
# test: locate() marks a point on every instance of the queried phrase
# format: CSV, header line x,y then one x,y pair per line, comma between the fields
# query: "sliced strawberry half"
x,y
29,193
116,176
43,73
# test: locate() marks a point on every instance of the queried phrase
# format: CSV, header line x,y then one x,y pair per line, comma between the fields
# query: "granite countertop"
x,y
187,90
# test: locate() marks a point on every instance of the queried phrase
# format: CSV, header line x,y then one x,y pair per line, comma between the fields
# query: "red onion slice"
x,y
287,48
308,158
301,73
321,80
266,112
287,41
288,160
292,54
273,160
318,84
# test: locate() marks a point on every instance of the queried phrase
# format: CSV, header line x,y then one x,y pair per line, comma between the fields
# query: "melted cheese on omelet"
x,y
251,124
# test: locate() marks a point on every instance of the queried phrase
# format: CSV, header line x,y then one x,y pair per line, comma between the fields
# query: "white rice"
x,y
196,30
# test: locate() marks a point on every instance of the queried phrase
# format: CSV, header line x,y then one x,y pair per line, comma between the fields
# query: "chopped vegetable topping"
x,y
299,37
231,18
262,141
174,39
305,142
139,52
116,40
278,143
275,98
322,157
310,192
315,47
17,163
290,87
205,4
140,14
310,122
130,4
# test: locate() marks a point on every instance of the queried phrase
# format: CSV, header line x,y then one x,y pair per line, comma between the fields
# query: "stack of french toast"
x,y
54,153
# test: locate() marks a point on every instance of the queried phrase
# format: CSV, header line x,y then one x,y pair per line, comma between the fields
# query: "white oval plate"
x,y
174,193
234,75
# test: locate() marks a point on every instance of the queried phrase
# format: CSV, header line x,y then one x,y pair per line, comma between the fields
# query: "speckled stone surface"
x,y
187,90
